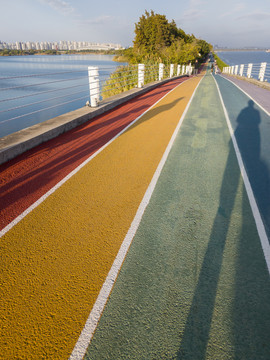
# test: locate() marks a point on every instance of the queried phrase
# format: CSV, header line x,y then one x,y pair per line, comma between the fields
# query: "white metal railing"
x,y
260,71
26,98
129,77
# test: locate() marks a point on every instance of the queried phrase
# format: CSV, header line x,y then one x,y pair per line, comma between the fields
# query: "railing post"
x,y
178,70
262,71
241,71
140,75
236,70
93,77
249,70
160,72
171,70
183,69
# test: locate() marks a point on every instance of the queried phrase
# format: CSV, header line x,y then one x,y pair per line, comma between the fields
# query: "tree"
x,y
153,32
157,39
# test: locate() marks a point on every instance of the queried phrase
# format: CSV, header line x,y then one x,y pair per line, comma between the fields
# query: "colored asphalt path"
x,y
251,126
194,284
259,94
28,177
55,260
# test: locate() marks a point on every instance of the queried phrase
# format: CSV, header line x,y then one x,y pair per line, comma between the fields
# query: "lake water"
x,y
243,57
58,84
248,57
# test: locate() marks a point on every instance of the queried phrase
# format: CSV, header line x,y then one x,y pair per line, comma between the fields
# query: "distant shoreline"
x,y
55,52
223,50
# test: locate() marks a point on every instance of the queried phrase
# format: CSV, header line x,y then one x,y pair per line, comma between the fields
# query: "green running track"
x,y
195,283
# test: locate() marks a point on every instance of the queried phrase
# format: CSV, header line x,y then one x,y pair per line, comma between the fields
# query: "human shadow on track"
x,y
157,110
248,138
249,319
79,143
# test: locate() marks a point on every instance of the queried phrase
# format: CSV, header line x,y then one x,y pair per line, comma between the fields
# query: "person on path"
x,y
196,67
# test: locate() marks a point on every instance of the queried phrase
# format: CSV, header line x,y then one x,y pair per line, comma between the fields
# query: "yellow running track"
x,y
55,260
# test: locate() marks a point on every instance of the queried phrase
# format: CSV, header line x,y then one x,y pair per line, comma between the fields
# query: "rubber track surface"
x,y
25,179
251,127
261,95
194,285
56,259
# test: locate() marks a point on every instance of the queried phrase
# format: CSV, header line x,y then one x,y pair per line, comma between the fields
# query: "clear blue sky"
x,y
230,23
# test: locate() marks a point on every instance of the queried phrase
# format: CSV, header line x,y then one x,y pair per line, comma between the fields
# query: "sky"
x,y
229,23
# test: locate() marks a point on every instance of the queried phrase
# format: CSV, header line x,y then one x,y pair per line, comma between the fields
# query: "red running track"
x,y
29,176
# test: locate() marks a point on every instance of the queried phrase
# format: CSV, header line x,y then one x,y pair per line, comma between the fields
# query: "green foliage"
x,y
221,64
126,78
205,48
153,32
120,58
157,39
180,52
8,52
123,79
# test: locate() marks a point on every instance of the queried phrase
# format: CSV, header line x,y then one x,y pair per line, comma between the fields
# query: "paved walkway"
x,y
251,126
194,284
28,177
55,260
259,94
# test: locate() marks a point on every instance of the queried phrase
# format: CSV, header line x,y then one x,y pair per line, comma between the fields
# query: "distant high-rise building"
x,y
18,46
28,45
62,45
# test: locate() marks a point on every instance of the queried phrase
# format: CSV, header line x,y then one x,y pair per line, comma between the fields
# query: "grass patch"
x,y
125,77
122,79
221,64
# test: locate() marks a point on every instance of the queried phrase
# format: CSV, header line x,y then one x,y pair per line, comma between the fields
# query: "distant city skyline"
x,y
242,23
61,45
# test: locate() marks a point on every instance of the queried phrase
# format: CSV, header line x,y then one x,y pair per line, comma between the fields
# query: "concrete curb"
x,y
17,143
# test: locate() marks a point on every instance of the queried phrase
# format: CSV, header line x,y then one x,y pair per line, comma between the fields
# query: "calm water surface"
x,y
243,57
58,84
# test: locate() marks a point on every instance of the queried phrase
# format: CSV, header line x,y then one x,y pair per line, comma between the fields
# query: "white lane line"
x,y
94,317
65,179
255,210
255,101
